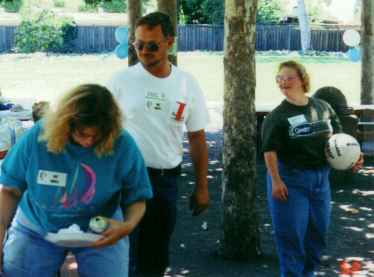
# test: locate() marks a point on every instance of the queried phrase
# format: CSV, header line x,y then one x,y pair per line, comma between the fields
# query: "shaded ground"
x,y
194,250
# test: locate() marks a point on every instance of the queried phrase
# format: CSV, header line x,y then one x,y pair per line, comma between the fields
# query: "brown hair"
x,y
87,105
300,70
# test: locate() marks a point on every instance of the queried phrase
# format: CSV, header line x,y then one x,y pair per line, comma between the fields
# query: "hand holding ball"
x,y
342,151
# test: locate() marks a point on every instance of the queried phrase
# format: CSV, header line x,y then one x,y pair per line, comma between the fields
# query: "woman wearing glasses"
x,y
294,135
75,165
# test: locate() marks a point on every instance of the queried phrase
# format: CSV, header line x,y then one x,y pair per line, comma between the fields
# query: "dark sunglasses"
x,y
151,46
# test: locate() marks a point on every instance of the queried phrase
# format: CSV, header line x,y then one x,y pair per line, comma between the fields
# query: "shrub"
x,y
59,3
44,32
88,8
11,6
114,6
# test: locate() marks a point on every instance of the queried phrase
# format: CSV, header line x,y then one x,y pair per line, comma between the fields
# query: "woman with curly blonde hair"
x,y
76,164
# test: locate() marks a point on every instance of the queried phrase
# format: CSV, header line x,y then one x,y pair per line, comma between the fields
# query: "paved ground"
x,y
351,236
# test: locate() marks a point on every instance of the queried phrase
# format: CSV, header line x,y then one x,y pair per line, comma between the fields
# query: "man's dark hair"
x,y
157,18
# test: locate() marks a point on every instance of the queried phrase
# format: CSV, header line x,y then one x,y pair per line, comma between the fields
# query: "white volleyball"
x,y
342,151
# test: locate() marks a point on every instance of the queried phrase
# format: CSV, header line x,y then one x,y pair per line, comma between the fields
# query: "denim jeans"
x,y
300,224
28,254
149,243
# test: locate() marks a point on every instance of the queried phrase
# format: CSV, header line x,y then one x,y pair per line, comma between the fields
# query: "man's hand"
x,y
199,201
116,231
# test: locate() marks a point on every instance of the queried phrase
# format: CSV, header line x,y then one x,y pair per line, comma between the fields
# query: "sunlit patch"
x,y
366,209
349,209
353,228
72,266
363,192
369,235
371,226
214,162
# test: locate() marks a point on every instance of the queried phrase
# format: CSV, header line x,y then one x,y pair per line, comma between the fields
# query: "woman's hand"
x,y
116,231
279,190
359,164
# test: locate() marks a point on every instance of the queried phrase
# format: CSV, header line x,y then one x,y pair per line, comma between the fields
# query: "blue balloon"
x,y
122,50
354,54
121,34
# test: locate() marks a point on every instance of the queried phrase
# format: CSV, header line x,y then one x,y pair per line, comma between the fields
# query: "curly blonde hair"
x,y
85,106
301,72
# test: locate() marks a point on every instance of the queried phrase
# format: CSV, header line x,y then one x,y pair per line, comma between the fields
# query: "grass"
x,y
43,77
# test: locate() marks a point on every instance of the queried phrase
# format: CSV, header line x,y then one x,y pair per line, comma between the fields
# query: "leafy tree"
x,y
201,11
269,11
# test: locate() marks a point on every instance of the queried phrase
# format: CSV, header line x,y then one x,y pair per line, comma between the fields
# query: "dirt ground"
x,y
351,235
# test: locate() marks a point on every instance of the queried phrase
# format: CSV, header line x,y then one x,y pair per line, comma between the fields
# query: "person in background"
x,y
39,109
76,164
294,136
159,100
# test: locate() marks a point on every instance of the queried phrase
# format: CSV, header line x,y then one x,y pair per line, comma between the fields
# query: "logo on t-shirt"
x,y
155,101
178,111
310,129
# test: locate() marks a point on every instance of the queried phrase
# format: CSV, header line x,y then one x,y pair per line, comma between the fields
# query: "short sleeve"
x,y
271,134
198,117
16,162
136,183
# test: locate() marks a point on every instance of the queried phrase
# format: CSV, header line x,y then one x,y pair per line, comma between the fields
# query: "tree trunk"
x,y
240,223
170,8
367,42
134,11
304,25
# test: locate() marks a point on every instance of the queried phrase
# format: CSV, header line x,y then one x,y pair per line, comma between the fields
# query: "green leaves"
x,y
42,32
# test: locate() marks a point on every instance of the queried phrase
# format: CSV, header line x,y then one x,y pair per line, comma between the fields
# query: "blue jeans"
x,y
300,224
28,254
150,242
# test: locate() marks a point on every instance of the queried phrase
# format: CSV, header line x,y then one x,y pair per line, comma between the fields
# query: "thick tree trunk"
x,y
134,11
367,42
240,223
305,33
170,8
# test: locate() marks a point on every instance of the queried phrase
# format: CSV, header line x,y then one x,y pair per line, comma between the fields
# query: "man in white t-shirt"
x,y
158,101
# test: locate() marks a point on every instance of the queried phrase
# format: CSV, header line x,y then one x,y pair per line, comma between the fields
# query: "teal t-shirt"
x,y
75,185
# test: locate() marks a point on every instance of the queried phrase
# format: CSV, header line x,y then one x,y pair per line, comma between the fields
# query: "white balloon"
x,y
351,38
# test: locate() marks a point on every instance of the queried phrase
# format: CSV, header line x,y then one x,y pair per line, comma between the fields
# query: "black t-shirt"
x,y
298,134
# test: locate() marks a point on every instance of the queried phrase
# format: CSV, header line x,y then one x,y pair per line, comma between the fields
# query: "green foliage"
x,y
114,6
88,8
269,11
11,5
59,3
44,32
201,11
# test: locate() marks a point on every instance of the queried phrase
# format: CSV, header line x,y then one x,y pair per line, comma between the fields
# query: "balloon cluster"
x,y
352,39
121,36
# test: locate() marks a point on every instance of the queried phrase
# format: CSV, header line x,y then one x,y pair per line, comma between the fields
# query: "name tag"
x,y
154,101
51,178
297,120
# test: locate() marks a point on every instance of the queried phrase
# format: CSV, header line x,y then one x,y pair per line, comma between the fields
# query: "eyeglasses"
x,y
280,78
151,46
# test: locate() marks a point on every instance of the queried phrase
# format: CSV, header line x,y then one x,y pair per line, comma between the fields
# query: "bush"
x,y
114,6
45,32
11,6
269,11
59,3
88,8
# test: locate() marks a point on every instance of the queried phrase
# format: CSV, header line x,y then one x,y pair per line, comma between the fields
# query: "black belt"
x,y
165,171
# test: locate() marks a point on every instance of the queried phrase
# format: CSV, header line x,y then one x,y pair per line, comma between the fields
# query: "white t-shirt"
x,y
157,109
